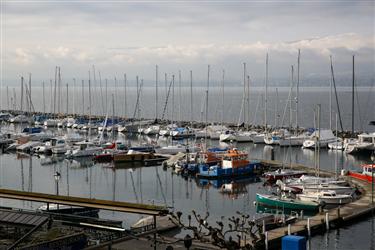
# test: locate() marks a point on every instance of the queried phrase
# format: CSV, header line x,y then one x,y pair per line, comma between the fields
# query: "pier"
x,y
324,220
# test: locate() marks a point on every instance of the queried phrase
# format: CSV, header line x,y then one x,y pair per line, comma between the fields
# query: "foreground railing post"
x,y
308,228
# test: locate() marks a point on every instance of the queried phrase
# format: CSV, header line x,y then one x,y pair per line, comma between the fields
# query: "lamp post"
x,y
57,176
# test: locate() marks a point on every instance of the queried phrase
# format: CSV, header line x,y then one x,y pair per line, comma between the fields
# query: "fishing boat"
x,y
366,174
281,174
234,163
286,203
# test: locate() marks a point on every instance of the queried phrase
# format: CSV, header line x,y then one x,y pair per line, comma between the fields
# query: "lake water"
x,y
155,185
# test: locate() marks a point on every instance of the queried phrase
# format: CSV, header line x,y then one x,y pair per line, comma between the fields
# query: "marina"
x,y
239,125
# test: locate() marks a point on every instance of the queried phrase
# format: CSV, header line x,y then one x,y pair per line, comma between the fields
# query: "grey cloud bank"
x,y
128,37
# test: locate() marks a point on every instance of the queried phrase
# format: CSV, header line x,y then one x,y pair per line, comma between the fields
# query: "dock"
x,y
324,220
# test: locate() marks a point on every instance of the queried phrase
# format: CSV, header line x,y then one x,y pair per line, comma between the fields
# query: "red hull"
x,y
104,158
363,177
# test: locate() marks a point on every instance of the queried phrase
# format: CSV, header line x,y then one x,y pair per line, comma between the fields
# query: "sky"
x,y
133,36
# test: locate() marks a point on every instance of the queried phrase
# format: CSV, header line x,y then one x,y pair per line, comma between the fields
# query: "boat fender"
x,y
344,172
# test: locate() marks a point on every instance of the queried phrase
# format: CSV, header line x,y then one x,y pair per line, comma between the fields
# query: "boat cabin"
x,y
234,159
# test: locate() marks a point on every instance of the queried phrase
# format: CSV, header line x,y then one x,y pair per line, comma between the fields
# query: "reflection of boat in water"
x,y
66,209
81,162
218,183
281,211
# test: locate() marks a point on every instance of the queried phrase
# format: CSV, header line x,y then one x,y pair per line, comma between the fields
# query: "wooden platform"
x,y
336,216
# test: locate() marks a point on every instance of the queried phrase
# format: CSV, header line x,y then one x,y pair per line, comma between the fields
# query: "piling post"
x,y
327,221
263,226
308,228
301,214
289,229
266,240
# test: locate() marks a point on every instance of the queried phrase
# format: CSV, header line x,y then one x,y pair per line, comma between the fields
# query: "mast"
x,y
248,102
318,158
337,100
353,99
59,91
330,103
89,104
51,96
125,97
297,88
265,95
67,99
113,117
179,96
290,99
244,91
191,96
54,93
156,92
8,98
208,85
74,102
101,91
29,95
222,99
106,94
21,108
44,100
172,100
277,109
83,98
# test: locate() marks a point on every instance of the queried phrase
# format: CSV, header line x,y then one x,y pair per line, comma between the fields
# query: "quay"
x,y
325,219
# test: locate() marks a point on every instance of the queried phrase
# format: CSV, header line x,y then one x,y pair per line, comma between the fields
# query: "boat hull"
x,y
273,201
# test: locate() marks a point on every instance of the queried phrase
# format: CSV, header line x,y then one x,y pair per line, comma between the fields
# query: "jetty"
x,y
325,219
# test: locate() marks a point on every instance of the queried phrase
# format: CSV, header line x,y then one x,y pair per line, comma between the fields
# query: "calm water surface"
x,y
82,177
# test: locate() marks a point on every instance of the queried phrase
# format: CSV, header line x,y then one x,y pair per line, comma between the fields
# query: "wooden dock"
x,y
319,223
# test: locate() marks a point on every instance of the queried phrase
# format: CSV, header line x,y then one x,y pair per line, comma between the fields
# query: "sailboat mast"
x,y
318,158
83,98
248,102
179,96
244,91
330,104
8,98
113,117
222,100
156,92
191,95
44,100
67,99
172,98
208,85
125,97
101,92
290,99
337,100
353,99
297,88
21,108
74,101
265,95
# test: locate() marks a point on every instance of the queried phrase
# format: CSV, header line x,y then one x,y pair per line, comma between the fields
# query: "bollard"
x,y
308,227
289,229
266,240
301,214
263,226
327,221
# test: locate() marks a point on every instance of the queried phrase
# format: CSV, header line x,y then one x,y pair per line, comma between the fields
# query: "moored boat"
x,y
234,163
286,203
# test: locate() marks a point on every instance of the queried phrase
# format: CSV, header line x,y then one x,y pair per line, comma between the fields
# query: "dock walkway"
x,y
318,223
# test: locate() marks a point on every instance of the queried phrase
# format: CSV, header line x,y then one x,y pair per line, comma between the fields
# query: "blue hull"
x,y
217,172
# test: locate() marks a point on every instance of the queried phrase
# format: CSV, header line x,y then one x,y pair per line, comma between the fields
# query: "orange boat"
x,y
366,175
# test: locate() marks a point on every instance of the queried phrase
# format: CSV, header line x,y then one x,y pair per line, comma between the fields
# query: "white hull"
x,y
258,138
227,137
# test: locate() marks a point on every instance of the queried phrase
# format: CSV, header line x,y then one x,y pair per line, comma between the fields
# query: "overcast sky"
x,y
132,37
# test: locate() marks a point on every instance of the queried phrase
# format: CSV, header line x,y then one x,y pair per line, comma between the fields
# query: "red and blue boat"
x,y
234,163
367,174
